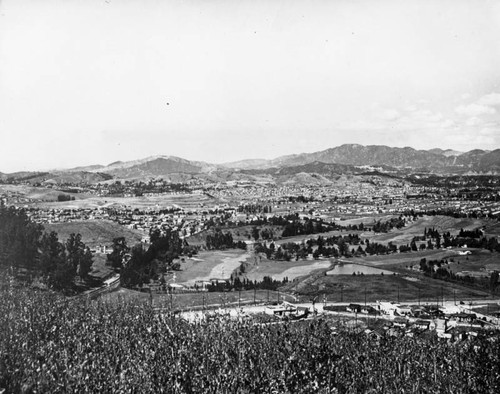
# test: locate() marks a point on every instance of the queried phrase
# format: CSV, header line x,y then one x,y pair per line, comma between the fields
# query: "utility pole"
x,y
239,298
365,296
254,294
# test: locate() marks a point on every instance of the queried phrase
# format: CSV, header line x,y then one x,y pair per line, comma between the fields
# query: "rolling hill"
x,y
344,159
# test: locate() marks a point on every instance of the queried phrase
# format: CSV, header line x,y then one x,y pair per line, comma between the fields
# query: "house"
x,y
369,310
387,308
280,310
422,324
354,308
463,317
404,310
400,322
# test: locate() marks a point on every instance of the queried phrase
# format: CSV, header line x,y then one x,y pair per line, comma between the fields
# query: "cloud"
x,y
474,121
389,115
492,99
475,110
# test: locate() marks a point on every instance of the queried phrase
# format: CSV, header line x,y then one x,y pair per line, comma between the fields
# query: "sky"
x,y
91,82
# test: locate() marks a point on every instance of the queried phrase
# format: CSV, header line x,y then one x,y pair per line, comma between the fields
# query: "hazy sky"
x,y
90,81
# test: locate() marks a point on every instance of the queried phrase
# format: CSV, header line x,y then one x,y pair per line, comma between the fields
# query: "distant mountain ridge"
x,y
436,160
341,160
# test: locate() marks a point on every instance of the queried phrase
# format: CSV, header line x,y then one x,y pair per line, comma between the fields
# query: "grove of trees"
x,y
29,252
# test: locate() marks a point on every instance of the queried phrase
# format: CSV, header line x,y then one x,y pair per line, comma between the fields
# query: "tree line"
x,y
138,265
30,252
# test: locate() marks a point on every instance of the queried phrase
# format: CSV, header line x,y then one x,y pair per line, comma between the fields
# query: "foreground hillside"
x,y
49,344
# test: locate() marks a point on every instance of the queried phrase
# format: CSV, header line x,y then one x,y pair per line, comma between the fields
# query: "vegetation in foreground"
x,y
50,344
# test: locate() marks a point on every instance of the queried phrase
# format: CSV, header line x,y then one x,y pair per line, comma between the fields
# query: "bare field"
x,y
95,232
349,288
185,201
402,259
210,264
278,270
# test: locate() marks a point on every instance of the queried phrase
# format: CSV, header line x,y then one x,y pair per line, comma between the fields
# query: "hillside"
x,y
344,159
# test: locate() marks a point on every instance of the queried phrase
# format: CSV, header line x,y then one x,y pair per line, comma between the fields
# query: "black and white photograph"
x,y
250,196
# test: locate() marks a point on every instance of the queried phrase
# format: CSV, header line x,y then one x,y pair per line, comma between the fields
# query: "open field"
x,y
185,201
38,194
210,264
479,261
95,232
350,288
401,260
492,228
305,237
370,219
440,223
279,270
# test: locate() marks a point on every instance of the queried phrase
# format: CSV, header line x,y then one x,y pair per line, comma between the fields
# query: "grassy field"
x,y
440,223
478,262
350,288
95,232
185,201
492,228
210,264
278,270
401,260
39,194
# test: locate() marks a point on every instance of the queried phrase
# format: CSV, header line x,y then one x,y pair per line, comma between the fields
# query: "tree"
x,y
255,233
120,248
132,273
52,254
85,265
79,256
19,239
494,280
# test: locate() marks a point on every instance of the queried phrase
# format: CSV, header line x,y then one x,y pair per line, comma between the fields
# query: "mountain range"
x,y
331,162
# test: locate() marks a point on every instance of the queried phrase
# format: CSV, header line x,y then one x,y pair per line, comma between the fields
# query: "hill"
x,y
344,159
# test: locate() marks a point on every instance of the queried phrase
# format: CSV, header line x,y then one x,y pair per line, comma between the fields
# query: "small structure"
x,y
400,322
464,317
423,324
175,287
354,308
387,308
280,310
